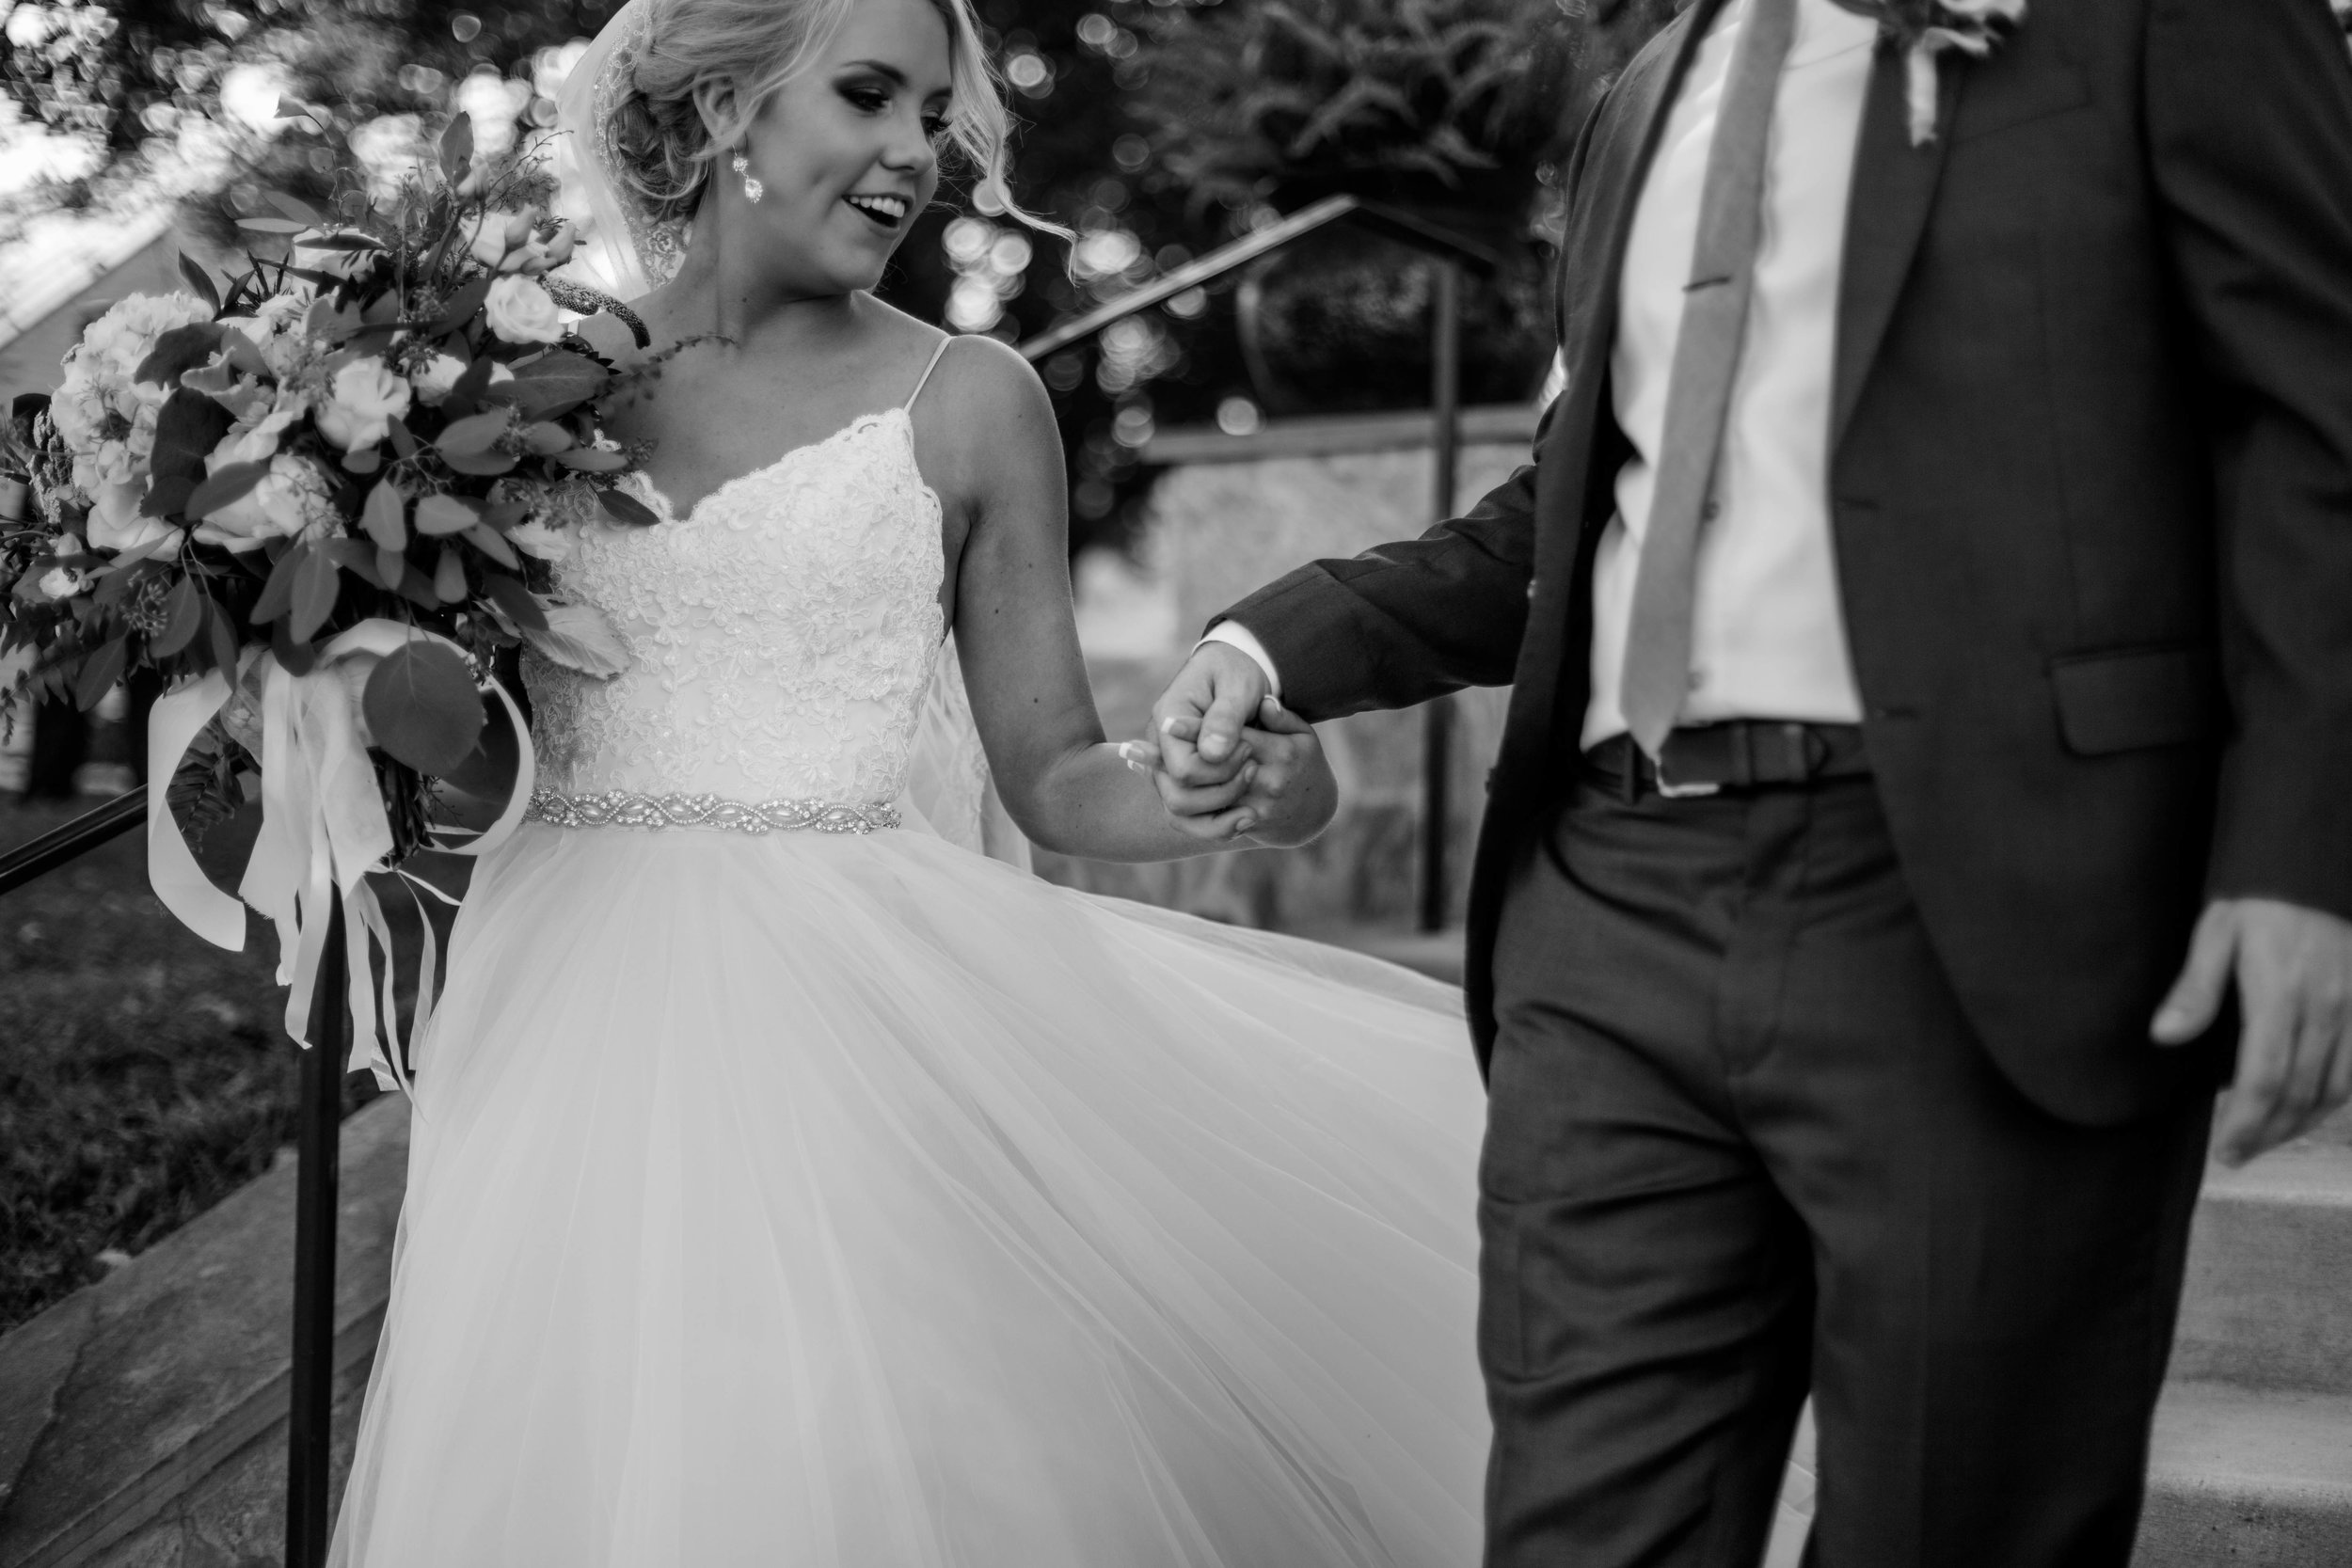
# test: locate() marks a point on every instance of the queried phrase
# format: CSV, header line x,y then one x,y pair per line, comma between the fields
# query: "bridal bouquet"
x,y
319,501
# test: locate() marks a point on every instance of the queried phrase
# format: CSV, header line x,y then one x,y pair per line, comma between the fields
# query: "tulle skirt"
x,y
842,1202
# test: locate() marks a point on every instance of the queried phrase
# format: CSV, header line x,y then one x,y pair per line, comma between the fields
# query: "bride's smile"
x,y
843,155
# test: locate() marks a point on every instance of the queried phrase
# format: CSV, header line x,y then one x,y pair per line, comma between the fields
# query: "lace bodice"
x,y
781,633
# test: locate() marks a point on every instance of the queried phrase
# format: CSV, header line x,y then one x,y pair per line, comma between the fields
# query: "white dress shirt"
x,y
1768,634
1768,639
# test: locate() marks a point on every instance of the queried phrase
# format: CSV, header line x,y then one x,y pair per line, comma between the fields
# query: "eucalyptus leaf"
x,y
315,588
227,485
472,435
628,508
385,516
100,673
183,348
442,515
421,706
578,637
184,617
278,592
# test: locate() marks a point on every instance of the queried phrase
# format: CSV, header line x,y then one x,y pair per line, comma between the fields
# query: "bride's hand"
x,y
1284,794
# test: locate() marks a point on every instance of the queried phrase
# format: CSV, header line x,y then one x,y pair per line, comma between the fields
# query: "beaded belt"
x,y
619,809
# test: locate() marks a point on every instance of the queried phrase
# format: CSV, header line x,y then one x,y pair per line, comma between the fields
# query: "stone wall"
x,y
1218,529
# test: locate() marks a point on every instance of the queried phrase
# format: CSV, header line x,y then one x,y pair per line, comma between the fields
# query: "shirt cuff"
x,y
1241,636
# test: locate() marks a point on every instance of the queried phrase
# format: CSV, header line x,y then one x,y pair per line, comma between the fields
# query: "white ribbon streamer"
x,y
323,831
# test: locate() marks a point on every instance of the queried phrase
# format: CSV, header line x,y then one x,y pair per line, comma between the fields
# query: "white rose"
x,y
256,444
491,238
520,311
537,539
435,377
115,523
115,464
293,496
61,582
361,400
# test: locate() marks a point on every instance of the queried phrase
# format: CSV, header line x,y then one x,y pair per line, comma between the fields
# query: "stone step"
x,y
2268,1298
2249,1476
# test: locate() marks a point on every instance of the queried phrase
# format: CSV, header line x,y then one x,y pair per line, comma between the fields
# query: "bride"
x,y
793,1185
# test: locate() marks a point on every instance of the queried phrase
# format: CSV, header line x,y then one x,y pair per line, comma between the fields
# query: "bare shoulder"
x,y
986,418
987,391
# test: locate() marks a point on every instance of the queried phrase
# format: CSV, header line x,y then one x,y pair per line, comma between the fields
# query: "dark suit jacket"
x,y
2091,497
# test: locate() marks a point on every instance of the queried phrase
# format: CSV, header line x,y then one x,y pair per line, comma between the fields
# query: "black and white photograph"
x,y
1176,783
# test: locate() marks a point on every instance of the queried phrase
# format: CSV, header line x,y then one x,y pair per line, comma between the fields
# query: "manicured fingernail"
x,y
1243,824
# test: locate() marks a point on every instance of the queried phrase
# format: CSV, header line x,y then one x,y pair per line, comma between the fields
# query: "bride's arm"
x,y
1067,788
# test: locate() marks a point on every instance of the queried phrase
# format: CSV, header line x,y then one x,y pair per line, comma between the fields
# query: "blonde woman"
x,y
792,1185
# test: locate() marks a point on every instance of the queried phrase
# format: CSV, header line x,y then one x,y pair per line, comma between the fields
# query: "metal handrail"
x,y
1403,227
1455,254
319,1136
72,840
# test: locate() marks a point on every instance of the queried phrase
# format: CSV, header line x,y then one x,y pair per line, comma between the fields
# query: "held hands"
x,y
2292,967
1229,761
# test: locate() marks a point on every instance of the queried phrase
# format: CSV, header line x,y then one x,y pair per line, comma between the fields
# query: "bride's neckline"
x,y
861,423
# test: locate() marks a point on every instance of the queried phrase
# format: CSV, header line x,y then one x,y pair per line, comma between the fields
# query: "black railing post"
x,y
1445,441
309,1421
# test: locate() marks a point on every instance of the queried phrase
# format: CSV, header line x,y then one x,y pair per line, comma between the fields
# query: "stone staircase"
x,y
2252,1459
2251,1463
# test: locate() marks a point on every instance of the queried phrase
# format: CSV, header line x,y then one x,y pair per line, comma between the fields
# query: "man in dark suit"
x,y
1929,615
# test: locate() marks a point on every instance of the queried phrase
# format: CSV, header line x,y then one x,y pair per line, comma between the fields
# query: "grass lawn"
x,y
144,1073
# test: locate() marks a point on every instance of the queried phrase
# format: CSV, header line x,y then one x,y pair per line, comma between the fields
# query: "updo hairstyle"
x,y
659,149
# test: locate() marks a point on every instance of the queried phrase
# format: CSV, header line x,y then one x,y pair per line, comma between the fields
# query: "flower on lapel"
x,y
1922,30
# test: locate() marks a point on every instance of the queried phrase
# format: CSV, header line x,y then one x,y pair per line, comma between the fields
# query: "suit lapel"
x,y
1893,187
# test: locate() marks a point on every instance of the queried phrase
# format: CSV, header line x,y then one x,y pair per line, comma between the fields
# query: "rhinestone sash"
x,y
620,809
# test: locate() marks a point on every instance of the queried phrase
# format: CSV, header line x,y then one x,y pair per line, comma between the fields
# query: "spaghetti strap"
x,y
937,354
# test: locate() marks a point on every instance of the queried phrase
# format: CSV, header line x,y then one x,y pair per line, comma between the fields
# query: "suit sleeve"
x,y
1415,619
2250,120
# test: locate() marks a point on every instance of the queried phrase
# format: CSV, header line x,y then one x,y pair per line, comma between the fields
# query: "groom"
x,y
1929,615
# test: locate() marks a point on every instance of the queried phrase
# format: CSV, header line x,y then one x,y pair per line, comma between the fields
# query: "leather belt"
x,y
1742,753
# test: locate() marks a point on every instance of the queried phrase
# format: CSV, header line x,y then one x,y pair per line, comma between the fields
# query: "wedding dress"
x,y
793,1186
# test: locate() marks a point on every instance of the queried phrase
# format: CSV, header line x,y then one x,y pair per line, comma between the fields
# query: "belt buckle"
x,y
1679,791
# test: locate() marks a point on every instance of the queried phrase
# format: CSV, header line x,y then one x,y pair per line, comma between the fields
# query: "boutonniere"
x,y
1922,30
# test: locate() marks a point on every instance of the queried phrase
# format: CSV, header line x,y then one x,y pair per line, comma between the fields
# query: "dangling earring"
x,y
752,189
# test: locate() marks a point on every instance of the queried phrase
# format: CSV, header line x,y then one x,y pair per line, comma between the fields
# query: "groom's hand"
x,y
1197,722
1283,795
2292,967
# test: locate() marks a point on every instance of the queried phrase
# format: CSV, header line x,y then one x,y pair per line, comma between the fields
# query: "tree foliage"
x,y
1250,99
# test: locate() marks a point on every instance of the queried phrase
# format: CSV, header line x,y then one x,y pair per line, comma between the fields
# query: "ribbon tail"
x,y
366,931
179,716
